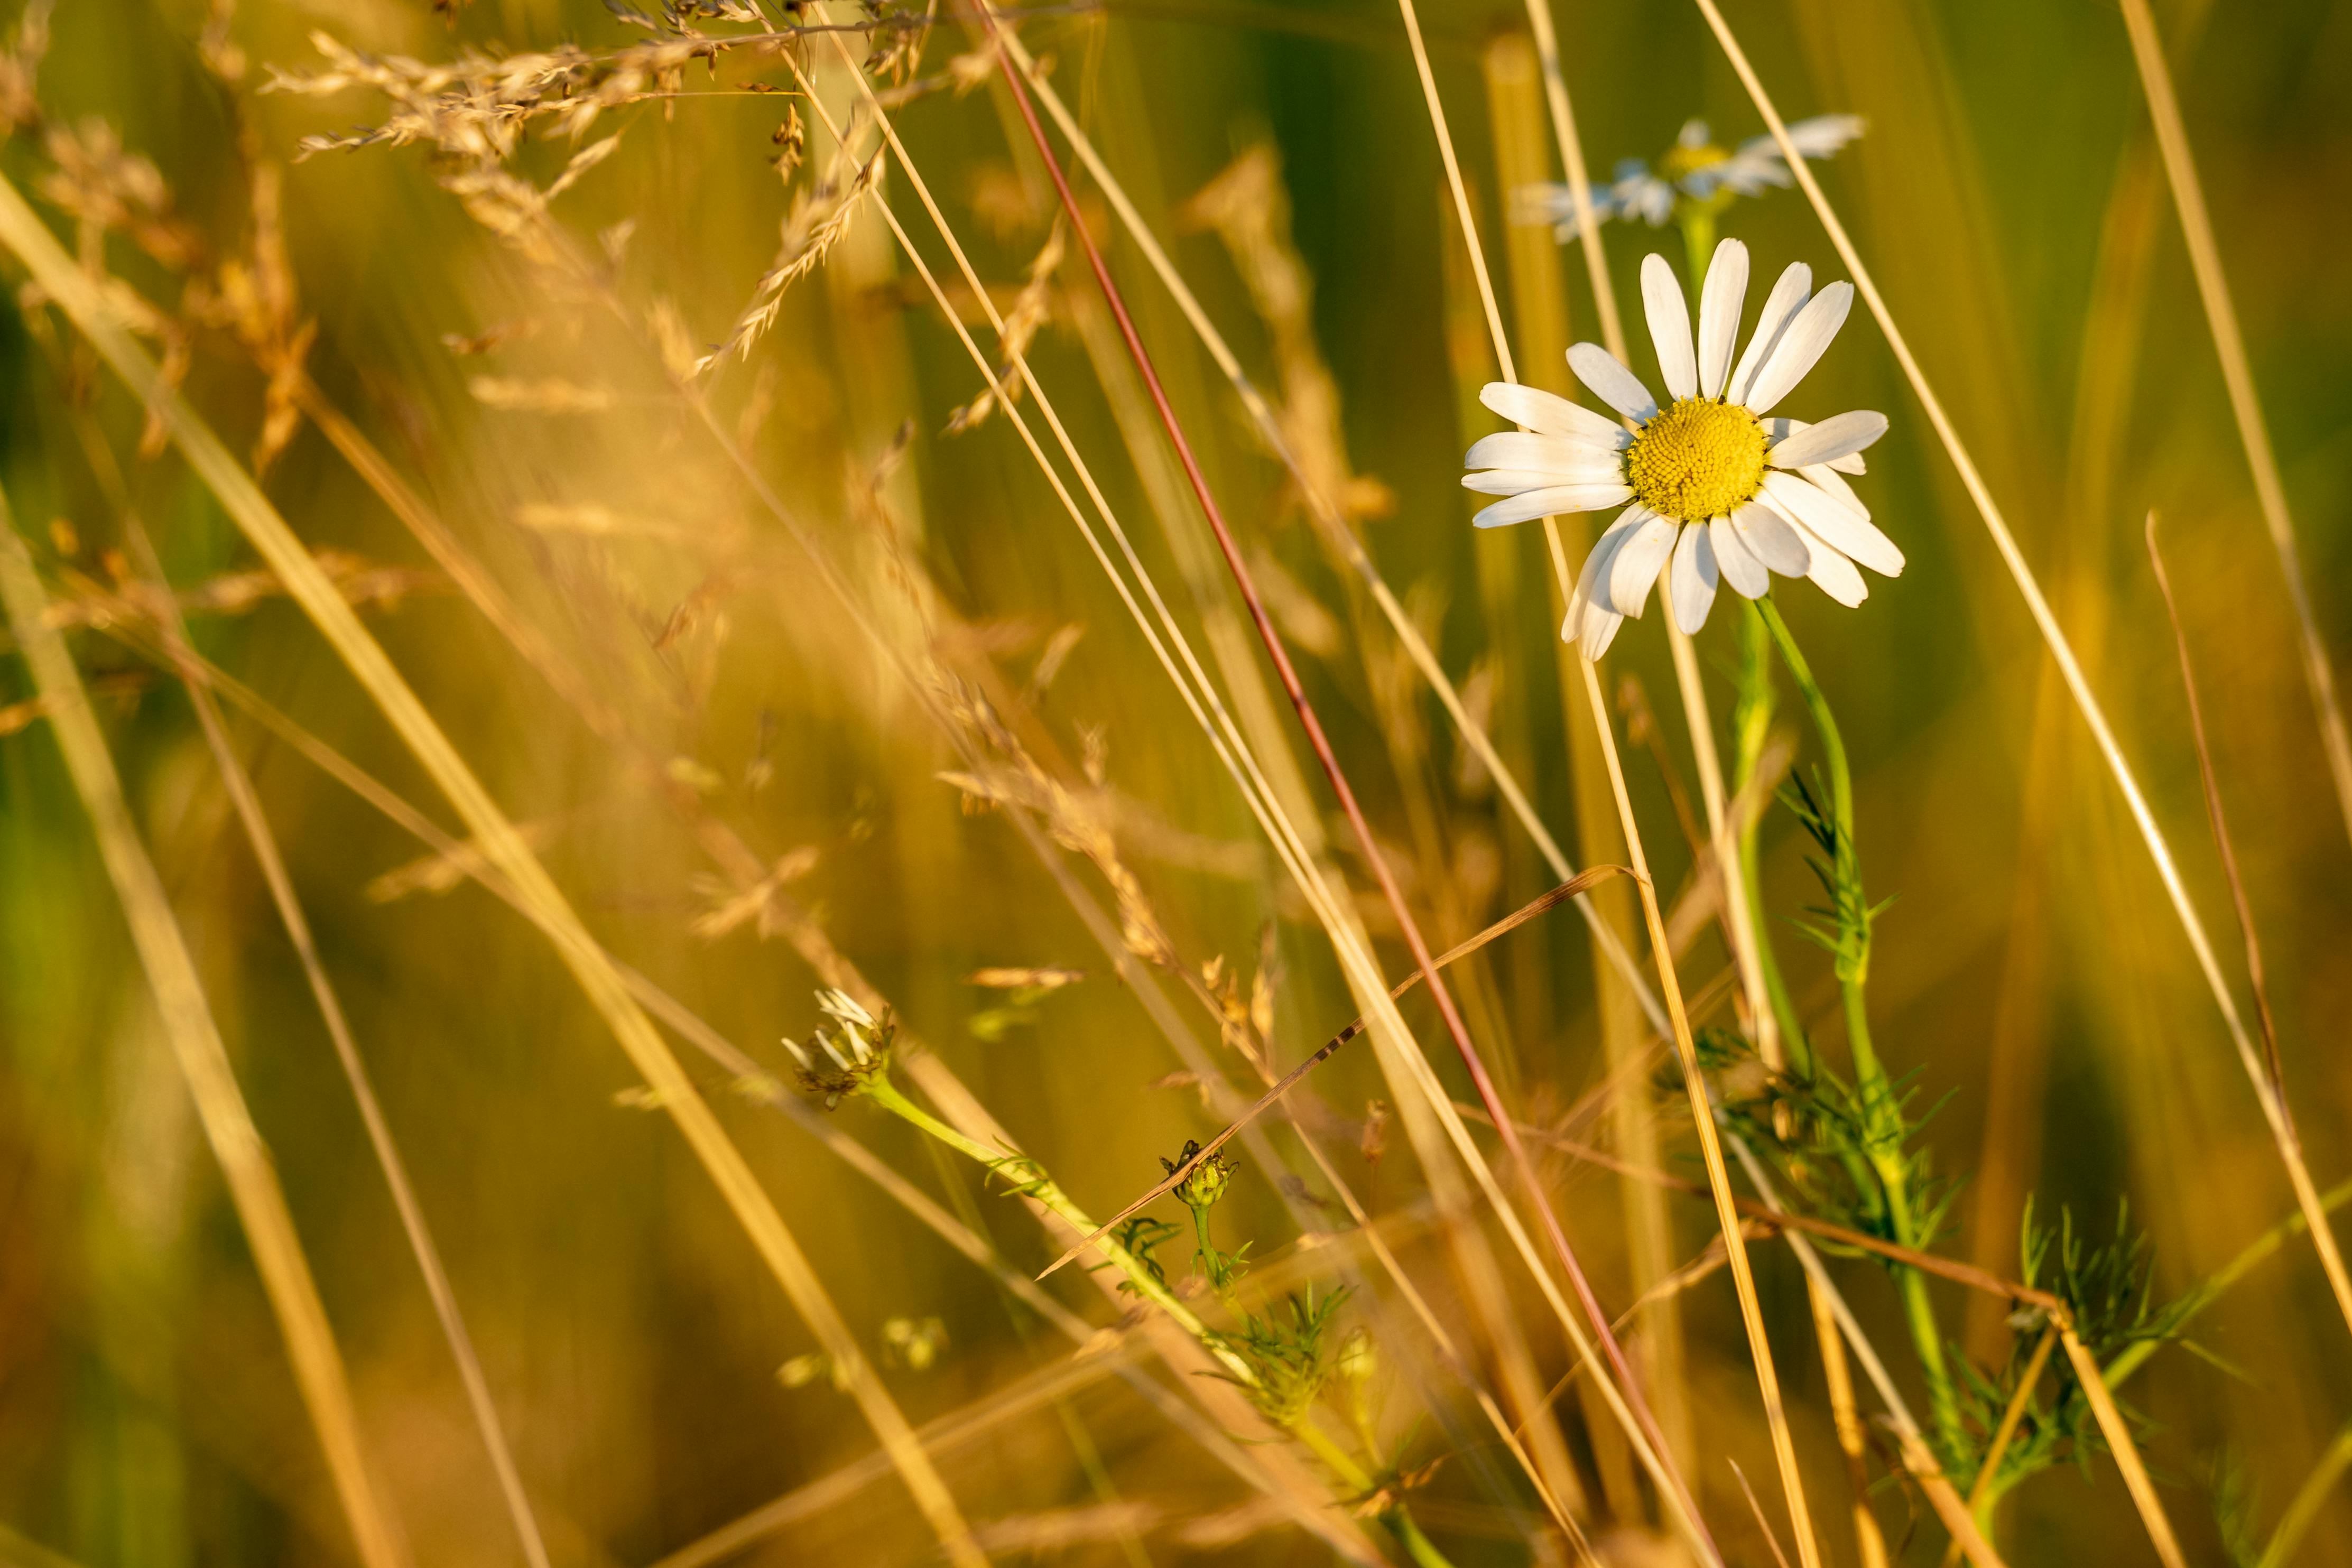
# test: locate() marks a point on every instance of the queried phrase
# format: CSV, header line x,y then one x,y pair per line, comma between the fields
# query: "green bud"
x,y
1209,1176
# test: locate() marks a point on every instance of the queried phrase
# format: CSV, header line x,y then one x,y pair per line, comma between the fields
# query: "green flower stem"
x,y
1883,1117
1752,725
1214,1262
1351,1476
1697,219
1034,1182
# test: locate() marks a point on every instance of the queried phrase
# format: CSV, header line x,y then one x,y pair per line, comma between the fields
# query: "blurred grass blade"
x,y
309,586
421,1246
203,1060
2303,1509
2274,1109
2238,376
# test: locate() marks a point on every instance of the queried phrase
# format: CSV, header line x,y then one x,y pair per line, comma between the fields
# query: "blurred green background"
x,y
2006,193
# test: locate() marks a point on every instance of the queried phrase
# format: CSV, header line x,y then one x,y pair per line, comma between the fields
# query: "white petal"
x,y
1595,629
1780,306
1550,413
1612,382
1639,561
1821,474
1829,519
1693,584
1833,438
1519,449
1833,574
1718,314
1777,430
1773,539
1591,580
1661,300
1801,347
1739,564
1558,500
1517,481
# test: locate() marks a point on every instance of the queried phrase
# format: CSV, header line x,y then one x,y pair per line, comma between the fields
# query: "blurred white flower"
x,y
1718,487
1695,173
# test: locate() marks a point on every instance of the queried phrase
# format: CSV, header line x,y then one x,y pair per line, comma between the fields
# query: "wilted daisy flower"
x,y
1695,176
1724,491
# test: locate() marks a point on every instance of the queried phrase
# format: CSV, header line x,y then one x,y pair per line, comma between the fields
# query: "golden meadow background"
x,y
752,779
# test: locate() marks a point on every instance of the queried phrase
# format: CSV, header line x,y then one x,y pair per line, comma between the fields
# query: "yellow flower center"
x,y
1697,459
1680,160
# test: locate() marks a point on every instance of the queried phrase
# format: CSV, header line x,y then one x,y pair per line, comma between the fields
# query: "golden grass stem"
x,y
204,1063
1541,314
1853,1437
1334,526
2274,1109
21,232
1718,1178
421,1246
1356,961
2117,1433
2211,783
2303,1509
1989,1469
1917,1458
1580,187
1455,1027
2238,376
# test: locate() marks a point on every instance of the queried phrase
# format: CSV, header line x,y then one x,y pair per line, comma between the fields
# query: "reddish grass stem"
x,y
1422,960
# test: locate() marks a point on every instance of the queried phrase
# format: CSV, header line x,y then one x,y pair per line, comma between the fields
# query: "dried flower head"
x,y
841,1059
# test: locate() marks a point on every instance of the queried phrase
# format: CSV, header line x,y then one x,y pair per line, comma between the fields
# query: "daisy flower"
x,y
1719,488
1695,174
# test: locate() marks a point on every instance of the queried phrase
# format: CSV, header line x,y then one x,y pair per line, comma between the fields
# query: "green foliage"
x,y
1292,1353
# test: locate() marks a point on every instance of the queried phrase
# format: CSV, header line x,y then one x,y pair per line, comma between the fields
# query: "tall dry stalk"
x,y
1541,306
204,1063
2238,377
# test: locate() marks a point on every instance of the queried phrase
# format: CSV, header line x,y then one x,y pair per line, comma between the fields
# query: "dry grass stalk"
x,y
1541,314
21,232
1357,965
1852,1437
1322,508
2120,1443
1751,1315
379,1132
204,1063
1391,893
1917,1456
2211,784
2238,377
2272,1107
1988,1468
153,593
